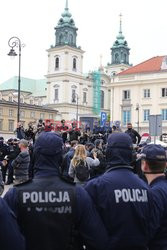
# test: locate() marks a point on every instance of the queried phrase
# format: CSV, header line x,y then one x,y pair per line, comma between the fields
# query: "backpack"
x,y
82,171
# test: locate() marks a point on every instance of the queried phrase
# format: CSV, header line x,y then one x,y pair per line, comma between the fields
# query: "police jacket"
x,y
159,191
53,214
10,236
4,150
125,204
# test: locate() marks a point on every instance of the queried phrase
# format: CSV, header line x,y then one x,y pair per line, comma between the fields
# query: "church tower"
x,y
119,54
65,67
66,32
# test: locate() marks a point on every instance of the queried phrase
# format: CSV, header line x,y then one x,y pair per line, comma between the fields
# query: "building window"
x,y
71,39
57,63
56,94
74,64
164,114
126,94
11,112
1,125
73,96
102,99
32,114
11,125
1,111
125,58
61,39
22,114
84,97
126,117
42,115
21,100
146,114
31,102
10,99
164,92
51,116
146,93
40,103
116,58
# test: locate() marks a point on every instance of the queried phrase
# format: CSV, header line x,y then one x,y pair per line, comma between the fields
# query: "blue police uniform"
x,y
159,191
156,153
122,198
51,212
10,236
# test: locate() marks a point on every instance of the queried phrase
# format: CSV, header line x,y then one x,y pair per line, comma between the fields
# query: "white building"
x,y
140,91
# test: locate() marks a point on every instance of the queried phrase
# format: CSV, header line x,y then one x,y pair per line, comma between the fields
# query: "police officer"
x,y
122,198
4,150
153,166
13,153
10,236
51,212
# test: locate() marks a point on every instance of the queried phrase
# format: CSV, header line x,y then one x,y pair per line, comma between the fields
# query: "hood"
x,y
47,154
119,150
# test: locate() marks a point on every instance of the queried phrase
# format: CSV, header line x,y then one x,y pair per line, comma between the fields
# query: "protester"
x,y
67,159
133,134
123,200
54,214
21,163
20,131
153,166
81,161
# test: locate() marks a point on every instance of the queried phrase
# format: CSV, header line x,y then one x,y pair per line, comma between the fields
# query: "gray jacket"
x,y
21,165
91,163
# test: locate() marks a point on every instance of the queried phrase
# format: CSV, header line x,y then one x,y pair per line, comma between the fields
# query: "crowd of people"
x,y
76,189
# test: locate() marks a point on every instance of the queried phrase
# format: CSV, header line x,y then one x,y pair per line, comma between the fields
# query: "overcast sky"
x,y
33,21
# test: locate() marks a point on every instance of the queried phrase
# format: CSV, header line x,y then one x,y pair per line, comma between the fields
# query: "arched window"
x,y
57,63
125,58
71,39
61,39
116,58
102,99
74,63
73,96
56,94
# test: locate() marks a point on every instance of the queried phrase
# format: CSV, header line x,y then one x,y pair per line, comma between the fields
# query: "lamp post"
x,y
15,42
137,109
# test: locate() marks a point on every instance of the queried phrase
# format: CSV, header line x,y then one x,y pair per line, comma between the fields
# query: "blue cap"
x,y
48,143
154,152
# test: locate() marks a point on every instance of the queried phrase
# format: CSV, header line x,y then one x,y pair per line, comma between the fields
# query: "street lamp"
x,y
137,109
15,42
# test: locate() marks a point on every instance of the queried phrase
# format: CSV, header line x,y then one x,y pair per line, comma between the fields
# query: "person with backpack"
x,y
81,165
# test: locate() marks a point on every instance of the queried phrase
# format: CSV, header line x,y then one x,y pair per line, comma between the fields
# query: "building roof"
x,y
36,87
154,64
29,106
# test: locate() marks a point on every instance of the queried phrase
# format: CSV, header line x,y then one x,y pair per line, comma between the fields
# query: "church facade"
x,y
69,90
